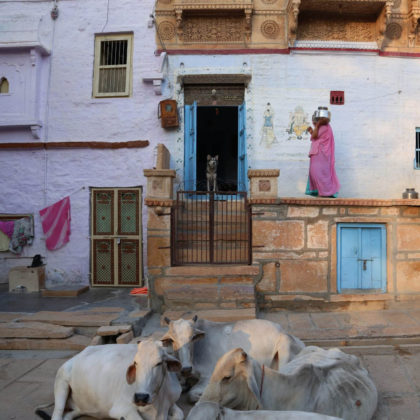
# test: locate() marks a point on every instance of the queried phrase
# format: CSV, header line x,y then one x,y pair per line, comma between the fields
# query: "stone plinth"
x,y
32,278
263,183
159,183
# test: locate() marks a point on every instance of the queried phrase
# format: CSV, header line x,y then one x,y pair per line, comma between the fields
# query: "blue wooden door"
x,y
190,147
242,158
361,257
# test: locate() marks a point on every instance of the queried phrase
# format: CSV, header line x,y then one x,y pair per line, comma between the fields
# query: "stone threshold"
x,y
361,297
318,201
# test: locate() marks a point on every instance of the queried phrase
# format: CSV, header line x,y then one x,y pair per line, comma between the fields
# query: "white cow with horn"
x,y
199,343
118,381
323,381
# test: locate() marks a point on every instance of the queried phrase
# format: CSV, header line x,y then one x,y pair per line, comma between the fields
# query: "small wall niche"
x,y
4,85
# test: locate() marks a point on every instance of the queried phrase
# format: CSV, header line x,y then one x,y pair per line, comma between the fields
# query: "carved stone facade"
x,y
393,25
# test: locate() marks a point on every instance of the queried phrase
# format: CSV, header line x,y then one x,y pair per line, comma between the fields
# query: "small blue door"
x,y
242,158
361,257
190,147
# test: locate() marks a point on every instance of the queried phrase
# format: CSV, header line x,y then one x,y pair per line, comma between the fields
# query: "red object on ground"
x,y
139,291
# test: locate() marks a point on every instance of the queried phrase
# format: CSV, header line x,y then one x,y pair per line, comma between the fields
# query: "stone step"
x,y
95,317
64,291
215,315
34,330
75,342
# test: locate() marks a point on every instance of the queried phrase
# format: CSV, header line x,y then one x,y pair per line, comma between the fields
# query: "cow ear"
x,y
131,374
174,365
208,157
244,356
167,320
217,157
195,318
166,340
198,334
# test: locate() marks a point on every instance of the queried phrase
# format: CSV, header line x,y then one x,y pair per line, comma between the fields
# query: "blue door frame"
x,y
190,148
361,257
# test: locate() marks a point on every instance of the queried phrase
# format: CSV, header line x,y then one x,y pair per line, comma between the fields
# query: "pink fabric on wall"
x,y
55,221
322,176
7,227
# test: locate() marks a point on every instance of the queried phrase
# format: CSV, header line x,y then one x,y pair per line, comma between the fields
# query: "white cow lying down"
x,y
198,345
118,381
322,381
212,411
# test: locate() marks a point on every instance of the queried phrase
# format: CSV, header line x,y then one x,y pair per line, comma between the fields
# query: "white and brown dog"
x,y
211,172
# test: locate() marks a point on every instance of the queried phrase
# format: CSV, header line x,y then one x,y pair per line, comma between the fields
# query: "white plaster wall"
x,y
374,130
36,178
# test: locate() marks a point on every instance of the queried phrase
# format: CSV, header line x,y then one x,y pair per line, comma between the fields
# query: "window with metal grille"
x,y
417,157
112,73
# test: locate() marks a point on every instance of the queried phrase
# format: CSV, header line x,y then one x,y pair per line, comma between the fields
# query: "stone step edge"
x,y
216,315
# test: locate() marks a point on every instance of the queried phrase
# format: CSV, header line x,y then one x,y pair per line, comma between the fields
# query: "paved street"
x,y
27,377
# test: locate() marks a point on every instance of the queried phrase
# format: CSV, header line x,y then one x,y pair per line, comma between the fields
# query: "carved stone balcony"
x,y
338,20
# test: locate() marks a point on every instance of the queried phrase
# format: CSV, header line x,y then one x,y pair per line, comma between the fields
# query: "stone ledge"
x,y
336,202
215,315
213,270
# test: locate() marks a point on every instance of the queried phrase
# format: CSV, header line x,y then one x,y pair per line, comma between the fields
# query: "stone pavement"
x,y
387,341
400,323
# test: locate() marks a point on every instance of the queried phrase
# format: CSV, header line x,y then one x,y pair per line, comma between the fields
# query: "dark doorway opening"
x,y
217,134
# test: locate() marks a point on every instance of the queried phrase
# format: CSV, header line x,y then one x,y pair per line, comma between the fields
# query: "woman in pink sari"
x,y
322,180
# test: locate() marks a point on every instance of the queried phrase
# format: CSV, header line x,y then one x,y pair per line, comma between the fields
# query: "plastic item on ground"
x,y
139,291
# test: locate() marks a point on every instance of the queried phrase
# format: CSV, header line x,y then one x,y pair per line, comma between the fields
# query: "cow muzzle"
x,y
186,371
141,399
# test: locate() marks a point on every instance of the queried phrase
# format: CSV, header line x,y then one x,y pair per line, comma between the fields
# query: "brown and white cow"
x,y
322,381
199,343
119,381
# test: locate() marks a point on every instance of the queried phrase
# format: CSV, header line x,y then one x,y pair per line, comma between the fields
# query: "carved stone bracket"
x,y
293,13
414,22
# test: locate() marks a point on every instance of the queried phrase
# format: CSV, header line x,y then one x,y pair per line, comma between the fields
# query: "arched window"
x,y
4,85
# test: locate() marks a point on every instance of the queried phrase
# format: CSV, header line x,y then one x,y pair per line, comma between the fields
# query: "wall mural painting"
x,y
298,123
268,138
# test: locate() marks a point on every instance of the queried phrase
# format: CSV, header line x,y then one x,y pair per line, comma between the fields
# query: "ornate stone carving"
x,y
393,31
165,1
270,29
213,29
293,13
166,30
268,1
414,23
342,29
397,4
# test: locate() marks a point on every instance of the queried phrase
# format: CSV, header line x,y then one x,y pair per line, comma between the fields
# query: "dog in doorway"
x,y
211,172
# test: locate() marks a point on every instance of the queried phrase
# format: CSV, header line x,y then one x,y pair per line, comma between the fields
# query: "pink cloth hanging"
x,y
7,228
55,221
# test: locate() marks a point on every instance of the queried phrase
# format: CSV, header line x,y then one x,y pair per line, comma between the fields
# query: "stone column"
x,y
263,183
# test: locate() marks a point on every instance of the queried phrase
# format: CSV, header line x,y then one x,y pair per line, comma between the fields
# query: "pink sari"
x,y
323,180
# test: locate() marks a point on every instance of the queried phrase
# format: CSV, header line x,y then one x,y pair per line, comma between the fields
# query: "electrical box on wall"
x,y
168,113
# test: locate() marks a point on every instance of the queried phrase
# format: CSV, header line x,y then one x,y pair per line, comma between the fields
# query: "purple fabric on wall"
x,y
7,228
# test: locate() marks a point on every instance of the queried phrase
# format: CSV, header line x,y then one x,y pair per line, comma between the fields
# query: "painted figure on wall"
x,y
268,138
322,180
298,123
